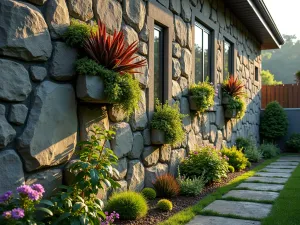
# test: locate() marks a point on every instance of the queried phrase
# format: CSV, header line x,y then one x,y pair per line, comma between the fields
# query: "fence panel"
x,y
288,95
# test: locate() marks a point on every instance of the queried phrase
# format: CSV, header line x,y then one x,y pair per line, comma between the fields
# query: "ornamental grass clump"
x,y
269,150
237,159
168,119
166,186
190,186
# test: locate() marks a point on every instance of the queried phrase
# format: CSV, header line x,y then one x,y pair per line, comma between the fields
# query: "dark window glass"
x,y
228,59
256,73
202,52
158,64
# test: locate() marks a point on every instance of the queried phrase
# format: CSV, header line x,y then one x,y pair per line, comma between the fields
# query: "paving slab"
x,y
272,170
242,209
261,186
252,195
281,167
265,174
276,180
214,220
289,158
288,163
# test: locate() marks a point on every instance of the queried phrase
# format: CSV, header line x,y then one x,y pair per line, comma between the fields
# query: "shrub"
x,y
190,186
130,205
231,169
269,150
274,122
168,119
149,193
164,205
249,164
244,143
253,154
204,94
166,186
236,158
205,160
294,142
77,33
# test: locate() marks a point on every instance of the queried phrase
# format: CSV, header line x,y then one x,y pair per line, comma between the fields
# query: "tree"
x,y
268,78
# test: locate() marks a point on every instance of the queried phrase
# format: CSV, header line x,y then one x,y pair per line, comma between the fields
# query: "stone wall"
x,y
41,119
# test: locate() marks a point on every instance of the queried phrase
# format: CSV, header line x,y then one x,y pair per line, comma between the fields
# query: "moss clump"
x,y
164,205
149,193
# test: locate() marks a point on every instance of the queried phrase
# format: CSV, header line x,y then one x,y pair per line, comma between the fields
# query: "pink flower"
x,y
6,214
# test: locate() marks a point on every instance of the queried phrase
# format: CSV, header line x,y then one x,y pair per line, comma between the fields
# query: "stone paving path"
x,y
251,199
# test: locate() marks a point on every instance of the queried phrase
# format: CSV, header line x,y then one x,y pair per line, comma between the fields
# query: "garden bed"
x,y
155,216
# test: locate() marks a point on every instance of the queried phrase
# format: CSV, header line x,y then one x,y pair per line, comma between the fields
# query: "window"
x,y
202,52
158,64
256,73
228,58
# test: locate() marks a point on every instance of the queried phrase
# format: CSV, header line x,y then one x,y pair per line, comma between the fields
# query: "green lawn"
x,y
188,214
286,209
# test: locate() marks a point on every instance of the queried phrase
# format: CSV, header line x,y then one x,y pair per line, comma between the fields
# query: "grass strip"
x,y
189,213
285,210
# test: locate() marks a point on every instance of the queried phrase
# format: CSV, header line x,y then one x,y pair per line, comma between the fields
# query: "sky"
x,y
286,15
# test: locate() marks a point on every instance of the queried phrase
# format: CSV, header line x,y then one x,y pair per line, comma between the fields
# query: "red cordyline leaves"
x,y
234,87
111,52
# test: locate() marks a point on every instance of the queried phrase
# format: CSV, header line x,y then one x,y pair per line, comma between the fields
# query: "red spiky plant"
x,y
166,186
111,52
233,87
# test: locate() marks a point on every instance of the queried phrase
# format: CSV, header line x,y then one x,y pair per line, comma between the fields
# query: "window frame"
x,y
227,37
231,57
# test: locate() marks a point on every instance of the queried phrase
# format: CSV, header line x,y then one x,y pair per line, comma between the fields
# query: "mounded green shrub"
x,y
269,150
274,123
236,157
164,205
253,154
294,142
231,169
190,186
130,205
149,193
244,143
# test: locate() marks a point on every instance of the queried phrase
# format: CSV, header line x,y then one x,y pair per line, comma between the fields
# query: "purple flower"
x,y
39,188
34,195
6,214
24,189
6,196
17,213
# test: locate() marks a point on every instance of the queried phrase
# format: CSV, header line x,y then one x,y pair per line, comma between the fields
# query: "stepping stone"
x,y
284,164
242,209
214,220
261,186
291,159
280,167
265,174
252,195
267,180
271,170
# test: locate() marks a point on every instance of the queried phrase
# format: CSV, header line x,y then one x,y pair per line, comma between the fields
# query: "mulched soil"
x,y
155,216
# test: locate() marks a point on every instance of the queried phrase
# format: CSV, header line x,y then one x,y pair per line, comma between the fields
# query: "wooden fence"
x,y
288,95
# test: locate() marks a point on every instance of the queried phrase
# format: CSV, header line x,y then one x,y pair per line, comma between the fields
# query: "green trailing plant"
x,y
164,205
294,142
93,171
253,154
231,169
149,193
123,91
269,150
168,119
274,122
77,33
130,205
207,160
238,104
166,186
297,76
203,93
237,159
190,186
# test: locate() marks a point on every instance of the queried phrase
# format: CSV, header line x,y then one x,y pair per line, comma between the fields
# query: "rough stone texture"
x,y
261,187
192,142
165,3
20,38
153,172
110,13
175,6
7,132
143,48
176,69
165,153
57,17
242,209
18,114
12,175
147,137
49,139
134,13
123,184
176,90
186,11
267,180
144,34
176,50
150,155
130,35
219,140
122,168
15,82
183,83
252,195
135,175
116,114
180,31
211,220
81,9
38,73
37,2
205,126
137,146
143,73
186,62
220,119
122,143
50,179
63,62
177,156
213,133
265,174
139,118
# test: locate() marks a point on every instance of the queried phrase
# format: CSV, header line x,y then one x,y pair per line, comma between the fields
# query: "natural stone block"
x,y
219,140
122,168
180,31
176,50
220,121
143,48
81,9
18,114
116,114
196,123
12,175
183,83
137,146
189,37
144,34
165,3
147,136
142,74
37,2
176,90
135,175
165,153
175,6
186,62
177,156
150,155
134,13
49,139
122,143
38,73
123,186
213,133
15,81
261,187
176,69
139,119
205,126
153,172
7,132
186,11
